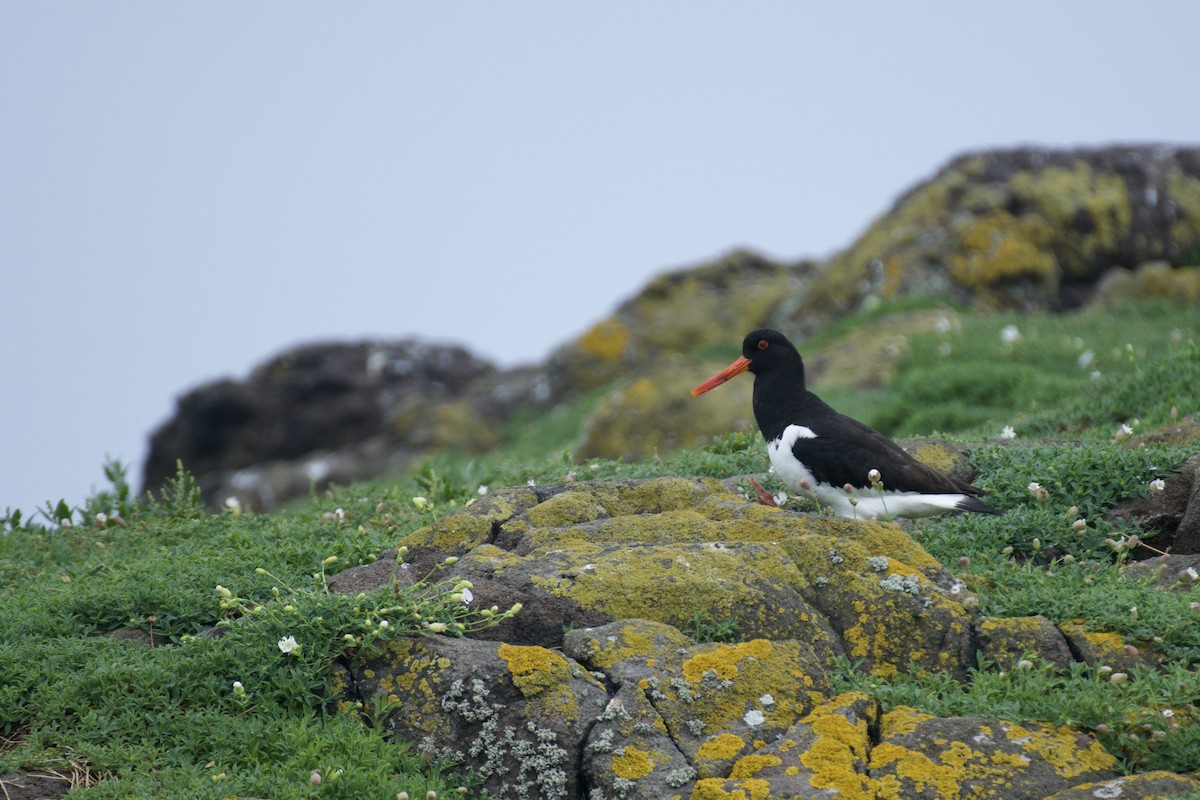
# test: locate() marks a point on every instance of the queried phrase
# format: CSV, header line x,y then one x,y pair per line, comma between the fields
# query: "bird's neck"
x,y
781,399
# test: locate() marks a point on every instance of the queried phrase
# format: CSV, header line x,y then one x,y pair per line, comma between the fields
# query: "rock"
x,y
1171,515
655,413
606,696
1146,786
629,753
1106,648
35,785
824,755
920,756
517,716
1173,573
1006,640
1027,228
1153,280
311,415
677,312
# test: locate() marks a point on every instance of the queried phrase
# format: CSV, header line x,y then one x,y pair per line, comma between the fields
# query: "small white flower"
x,y
754,718
384,624
288,644
1007,432
1086,358
232,503
1168,713
1095,375
1123,432
1010,334
942,325
1038,492
1157,485
1192,574
780,498
467,596
238,689
482,490
531,482
874,477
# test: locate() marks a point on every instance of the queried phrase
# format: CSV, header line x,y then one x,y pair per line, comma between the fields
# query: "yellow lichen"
x,y
720,789
749,766
631,763
721,748
723,661
938,456
916,768
1061,749
534,669
901,720
837,755
997,246
606,340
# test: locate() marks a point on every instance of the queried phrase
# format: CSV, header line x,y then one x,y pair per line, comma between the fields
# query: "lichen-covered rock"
x,y
1153,280
633,708
629,754
1156,785
728,698
753,584
1023,228
920,756
655,413
890,616
824,755
1004,641
677,312
315,413
1107,648
515,715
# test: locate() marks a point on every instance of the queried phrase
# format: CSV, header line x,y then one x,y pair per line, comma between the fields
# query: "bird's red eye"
x,y
763,344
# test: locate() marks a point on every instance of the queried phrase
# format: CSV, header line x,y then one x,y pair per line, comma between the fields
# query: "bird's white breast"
x,y
788,468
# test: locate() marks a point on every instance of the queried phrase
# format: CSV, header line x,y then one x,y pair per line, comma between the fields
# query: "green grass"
x,y
1064,374
170,720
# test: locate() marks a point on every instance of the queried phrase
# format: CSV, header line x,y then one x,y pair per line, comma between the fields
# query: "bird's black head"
x,y
767,349
764,352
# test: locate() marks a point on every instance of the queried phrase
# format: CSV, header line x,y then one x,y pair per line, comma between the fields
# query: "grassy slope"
x,y
168,721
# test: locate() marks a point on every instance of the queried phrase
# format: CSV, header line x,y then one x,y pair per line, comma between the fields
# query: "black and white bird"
x,y
844,465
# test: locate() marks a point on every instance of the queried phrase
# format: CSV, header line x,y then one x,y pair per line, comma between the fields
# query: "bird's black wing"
x,y
845,450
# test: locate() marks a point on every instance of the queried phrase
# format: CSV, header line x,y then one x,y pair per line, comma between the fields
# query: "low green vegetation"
x,y
174,652
155,648
1075,374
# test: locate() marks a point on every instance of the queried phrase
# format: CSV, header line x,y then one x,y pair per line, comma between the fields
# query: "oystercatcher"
x,y
843,464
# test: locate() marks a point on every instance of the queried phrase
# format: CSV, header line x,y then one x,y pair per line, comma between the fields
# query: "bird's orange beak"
x,y
736,368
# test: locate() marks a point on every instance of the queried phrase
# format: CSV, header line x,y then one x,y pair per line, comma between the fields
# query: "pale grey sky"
x,y
189,188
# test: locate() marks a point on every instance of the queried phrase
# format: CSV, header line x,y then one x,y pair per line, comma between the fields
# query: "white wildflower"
x,y
1007,432
1010,334
1157,485
288,644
